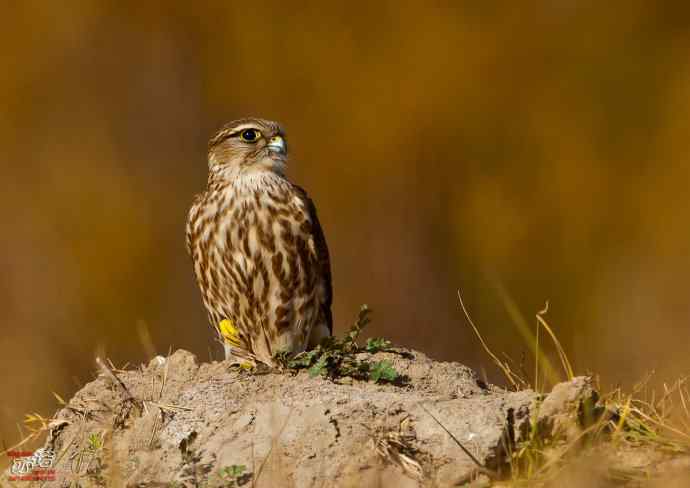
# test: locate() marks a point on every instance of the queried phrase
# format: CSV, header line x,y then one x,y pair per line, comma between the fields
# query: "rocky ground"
x,y
176,422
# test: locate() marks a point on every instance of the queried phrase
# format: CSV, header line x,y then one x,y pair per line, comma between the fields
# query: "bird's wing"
x,y
322,255
192,215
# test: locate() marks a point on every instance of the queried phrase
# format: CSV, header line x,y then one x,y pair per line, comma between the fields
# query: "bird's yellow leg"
x,y
232,336
229,332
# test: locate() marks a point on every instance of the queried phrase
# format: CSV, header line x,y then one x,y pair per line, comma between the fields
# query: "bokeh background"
x,y
520,153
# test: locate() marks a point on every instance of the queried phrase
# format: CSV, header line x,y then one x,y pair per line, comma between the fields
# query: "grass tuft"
x,y
616,421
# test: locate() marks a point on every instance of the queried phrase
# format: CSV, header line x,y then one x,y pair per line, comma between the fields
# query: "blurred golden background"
x,y
518,153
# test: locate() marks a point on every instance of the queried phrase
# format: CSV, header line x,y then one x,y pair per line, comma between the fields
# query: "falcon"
x,y
260,257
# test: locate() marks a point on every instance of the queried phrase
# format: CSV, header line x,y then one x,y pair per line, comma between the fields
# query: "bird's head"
x,y
248,145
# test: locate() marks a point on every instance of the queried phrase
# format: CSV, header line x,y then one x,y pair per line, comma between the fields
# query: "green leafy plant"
x,y
233,471
340,357
233,475
383,371
376,344
95,441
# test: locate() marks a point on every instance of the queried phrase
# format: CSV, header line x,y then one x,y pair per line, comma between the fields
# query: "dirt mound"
x,y
176,422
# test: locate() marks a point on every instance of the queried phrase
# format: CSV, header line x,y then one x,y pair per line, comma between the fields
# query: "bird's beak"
x,y
277,144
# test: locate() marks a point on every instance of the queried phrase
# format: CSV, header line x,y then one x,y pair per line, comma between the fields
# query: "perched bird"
x,y
260,257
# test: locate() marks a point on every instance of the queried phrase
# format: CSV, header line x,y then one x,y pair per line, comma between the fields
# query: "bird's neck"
x,y
243,180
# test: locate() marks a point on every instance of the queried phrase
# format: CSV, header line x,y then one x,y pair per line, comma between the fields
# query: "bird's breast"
x,y
241,228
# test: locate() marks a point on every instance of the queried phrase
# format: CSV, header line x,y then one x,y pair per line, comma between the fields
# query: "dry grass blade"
x,y
525,330
34,433
567,367
681,393
170,407
165,378
677,386
661,424
154,431
515,381
481,468
60,400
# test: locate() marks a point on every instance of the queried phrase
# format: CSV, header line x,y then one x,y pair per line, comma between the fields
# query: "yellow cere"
x,y
229,332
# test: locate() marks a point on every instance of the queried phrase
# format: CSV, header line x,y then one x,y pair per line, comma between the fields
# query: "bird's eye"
x,y
250,135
